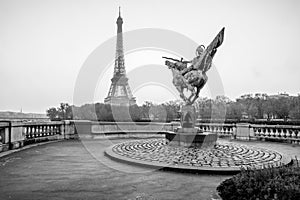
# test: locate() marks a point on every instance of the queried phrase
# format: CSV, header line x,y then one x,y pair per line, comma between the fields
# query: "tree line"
x,y
248,106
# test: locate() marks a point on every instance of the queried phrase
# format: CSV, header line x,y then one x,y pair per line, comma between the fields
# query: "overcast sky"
x,y
44,43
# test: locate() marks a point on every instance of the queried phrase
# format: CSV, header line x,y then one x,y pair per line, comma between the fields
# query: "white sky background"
x,y
43,44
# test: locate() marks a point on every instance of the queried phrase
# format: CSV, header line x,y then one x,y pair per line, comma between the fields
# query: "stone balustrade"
x,y
14,134
220,129
41,130
240,131
276,132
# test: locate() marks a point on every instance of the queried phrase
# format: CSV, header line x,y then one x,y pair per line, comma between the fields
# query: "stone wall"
x,y
87,129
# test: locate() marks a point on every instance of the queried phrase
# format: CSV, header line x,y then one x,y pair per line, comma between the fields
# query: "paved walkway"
x,y
79,170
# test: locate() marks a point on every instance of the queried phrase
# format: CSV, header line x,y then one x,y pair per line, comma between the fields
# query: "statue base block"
x,y
192,137
188,135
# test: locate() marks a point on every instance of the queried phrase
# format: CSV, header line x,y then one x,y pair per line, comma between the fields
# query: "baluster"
x,y
259,132
25,132
225,130
29,132
293,135
33,131
289,133
264,132
48,130
280,130
269,132
283,133
297,134
36,129
41,130
273,130
57,129
276,132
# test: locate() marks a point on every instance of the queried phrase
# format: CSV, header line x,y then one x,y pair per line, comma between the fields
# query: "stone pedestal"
x,y
243,131
188,135
188,116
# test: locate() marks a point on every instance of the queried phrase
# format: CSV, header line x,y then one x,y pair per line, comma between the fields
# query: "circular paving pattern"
x,y
225,157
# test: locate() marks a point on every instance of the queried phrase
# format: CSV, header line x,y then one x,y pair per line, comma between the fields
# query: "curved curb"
x,y
181,168
178,168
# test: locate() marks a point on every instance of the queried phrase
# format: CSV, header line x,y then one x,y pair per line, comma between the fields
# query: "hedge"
x,y
271,183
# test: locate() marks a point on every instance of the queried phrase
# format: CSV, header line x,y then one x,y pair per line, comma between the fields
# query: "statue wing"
x,y
211,50
218,40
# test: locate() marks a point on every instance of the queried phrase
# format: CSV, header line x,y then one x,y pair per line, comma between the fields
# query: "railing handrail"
x,y
274,126
215,124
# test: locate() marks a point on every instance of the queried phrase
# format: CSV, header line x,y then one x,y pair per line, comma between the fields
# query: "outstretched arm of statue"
x,y
171,59
186,62
181,60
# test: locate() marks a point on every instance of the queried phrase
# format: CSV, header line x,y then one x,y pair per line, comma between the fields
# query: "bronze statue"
x,y
193,77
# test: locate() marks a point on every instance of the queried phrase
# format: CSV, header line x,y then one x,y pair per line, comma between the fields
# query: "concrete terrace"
x,y
73,169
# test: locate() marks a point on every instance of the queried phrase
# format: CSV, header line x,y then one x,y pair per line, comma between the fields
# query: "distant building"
x,y
119,92
8,115
277,96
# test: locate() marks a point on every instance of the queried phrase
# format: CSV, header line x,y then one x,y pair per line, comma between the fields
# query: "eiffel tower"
x,y
119,92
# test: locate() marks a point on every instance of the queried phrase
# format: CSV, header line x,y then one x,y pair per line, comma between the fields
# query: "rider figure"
x,y
195,62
